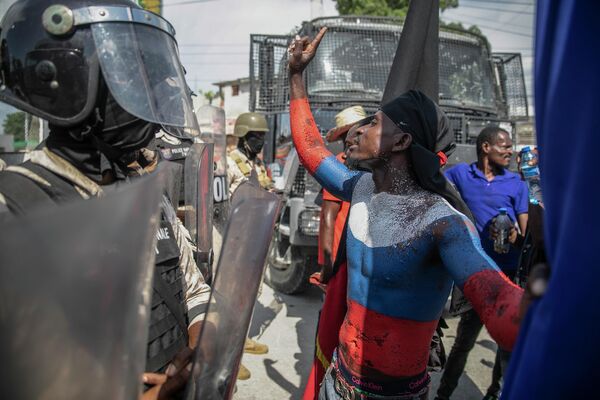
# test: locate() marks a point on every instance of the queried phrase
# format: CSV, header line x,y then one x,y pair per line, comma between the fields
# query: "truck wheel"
x,y
288,269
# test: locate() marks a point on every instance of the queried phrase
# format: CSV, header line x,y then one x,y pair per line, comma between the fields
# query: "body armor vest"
x,y
246,166
168,322
175,153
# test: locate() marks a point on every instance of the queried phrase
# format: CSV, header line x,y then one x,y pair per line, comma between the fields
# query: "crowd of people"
x,y
398,229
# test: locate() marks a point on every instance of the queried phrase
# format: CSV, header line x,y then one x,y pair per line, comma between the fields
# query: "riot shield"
x,y
212,124
173,173
75,289
198,178
235,288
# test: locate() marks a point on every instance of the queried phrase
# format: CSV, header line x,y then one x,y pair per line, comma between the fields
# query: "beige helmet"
x,y
344,121
250,122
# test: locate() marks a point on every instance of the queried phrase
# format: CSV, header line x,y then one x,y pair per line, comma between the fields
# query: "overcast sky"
x,y
214,39
214,35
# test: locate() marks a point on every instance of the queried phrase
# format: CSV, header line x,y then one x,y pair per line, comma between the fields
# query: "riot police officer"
x,y
243,162
105,75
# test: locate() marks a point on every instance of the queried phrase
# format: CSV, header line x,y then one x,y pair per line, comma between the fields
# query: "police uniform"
x,y
240,167
172,149
180,295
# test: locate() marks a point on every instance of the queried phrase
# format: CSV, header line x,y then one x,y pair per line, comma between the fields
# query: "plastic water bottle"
x,y
531,172
503,225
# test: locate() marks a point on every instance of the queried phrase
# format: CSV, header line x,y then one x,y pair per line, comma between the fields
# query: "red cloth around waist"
x,y
381,348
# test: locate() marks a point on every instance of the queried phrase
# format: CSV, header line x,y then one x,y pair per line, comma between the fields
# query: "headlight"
x,y
308,222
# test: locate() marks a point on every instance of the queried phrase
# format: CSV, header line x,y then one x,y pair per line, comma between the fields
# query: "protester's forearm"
x,y
497,302
314,156
297,89
491,293
305,134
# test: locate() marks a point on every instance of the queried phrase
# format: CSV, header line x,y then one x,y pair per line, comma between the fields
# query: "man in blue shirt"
x,y
486,186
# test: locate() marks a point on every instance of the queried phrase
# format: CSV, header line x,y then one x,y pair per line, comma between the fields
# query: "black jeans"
x,y
466,335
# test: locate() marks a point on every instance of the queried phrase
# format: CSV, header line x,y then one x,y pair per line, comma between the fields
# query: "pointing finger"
x,y
317,40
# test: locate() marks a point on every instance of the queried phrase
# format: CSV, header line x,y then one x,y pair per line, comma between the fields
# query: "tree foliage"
x,y
383,8
210,96
14,124
397,8
457,25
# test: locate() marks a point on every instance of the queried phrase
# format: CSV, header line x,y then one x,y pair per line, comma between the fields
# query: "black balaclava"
x,y
109,140
432,141
252,144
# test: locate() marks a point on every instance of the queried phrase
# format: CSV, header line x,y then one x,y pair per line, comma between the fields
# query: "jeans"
x,y
327,391
468,330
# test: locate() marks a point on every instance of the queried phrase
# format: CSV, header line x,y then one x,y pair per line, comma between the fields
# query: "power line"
x,y
495,29
486,25
494,20
497,9
501,2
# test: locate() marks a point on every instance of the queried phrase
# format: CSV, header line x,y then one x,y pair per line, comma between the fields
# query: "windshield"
x,y
465,72
353,64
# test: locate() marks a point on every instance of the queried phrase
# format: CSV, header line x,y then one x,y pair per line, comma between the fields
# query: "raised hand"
x,y
302,51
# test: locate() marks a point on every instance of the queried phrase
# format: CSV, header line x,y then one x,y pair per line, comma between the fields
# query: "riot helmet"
x,y
54,57
250,122
251,128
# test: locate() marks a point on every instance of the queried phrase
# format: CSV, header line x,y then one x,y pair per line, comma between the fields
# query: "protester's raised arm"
x,y
314,156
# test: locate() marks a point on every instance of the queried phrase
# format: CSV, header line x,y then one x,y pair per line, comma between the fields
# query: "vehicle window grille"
x,y
353,64
509,69
299,185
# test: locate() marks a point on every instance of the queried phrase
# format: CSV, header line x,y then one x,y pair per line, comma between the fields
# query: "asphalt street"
x,y
287,325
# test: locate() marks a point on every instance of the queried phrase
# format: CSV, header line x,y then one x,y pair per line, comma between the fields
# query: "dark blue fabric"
x,y
484,198
558,351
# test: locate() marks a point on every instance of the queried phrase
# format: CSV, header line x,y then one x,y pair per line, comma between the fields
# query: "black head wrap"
x,y
432,141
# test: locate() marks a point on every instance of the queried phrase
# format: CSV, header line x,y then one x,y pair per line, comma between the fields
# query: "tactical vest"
x,y
172,152
245,166
168,322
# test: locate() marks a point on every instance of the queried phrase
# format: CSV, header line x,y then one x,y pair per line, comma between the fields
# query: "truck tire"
x,y
288,268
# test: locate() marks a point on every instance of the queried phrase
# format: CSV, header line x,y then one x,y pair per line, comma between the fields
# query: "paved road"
x,y
287,324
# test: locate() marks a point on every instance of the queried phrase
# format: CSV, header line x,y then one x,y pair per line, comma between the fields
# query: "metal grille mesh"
x,y
299,185
512,84
268,73
354,60
467,127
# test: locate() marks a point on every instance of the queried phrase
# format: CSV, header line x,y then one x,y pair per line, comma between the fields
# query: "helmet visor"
x,y
141,67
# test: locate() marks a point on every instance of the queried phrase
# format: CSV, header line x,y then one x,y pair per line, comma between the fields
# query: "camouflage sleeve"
x,y
197,291
234,176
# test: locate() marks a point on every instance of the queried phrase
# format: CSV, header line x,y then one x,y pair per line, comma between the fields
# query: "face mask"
x,y
254,142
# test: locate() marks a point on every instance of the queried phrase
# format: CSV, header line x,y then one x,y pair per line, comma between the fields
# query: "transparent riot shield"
x,y
198,178
235,288
212,124
173,173
75,289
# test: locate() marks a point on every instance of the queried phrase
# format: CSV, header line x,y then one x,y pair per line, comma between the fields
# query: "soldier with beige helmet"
x,y
243,162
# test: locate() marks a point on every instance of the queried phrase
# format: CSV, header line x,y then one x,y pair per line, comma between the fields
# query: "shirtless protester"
x,y
407,242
